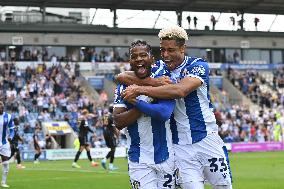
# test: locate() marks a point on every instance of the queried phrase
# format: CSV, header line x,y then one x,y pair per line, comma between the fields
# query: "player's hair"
x,y
174,33
85,112
110,108
140,43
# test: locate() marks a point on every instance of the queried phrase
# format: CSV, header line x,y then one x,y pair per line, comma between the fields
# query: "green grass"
x,y
250,171
258,170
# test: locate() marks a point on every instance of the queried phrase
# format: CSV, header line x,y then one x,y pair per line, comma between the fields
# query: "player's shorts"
x,y
111,142
36,146
152,176
206,160
109,139
83,141
5,150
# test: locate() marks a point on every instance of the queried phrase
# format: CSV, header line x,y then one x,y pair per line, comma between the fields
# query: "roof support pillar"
x,y
114,18
43,12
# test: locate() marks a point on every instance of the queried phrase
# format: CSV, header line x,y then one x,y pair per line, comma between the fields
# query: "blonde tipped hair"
x,y
173,32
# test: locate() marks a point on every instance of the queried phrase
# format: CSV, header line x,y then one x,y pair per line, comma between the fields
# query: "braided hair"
x,y
140,43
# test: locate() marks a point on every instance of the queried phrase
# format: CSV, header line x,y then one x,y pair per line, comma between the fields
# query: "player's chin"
x,y
170,65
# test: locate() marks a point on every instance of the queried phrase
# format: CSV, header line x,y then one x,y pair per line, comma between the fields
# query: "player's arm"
x,y
161,110
170,91
90,130
116,132
123,117
123,113
90,115
83,122
129,78
20,139
193,76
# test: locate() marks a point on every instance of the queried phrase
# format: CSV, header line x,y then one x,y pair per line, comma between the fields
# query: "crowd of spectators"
x,y
81,54
238,124
41,94
252,84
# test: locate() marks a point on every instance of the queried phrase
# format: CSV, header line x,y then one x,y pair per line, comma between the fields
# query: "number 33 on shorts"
x,y
219,165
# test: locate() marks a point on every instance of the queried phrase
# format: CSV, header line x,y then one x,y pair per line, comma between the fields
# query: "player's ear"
x,y
153,59
182,48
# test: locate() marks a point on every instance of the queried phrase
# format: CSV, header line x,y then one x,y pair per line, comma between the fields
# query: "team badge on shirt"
x,y
198,70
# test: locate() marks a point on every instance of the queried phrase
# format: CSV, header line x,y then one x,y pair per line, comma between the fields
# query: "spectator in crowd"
x,y
256,21
2,55
233,21
213,21
77,69
195,22
236,56
188,21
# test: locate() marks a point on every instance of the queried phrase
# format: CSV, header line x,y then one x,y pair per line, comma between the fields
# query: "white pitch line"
x,y
38,179
77,170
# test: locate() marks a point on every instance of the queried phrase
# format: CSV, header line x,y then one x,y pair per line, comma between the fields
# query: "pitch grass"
x,y
250,171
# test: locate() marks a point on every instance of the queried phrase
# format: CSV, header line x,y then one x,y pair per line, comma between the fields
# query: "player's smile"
x,y
170,64
141,61
141,69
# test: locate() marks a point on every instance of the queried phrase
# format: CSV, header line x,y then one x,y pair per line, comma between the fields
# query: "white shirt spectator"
x,y
3,55
40,101
12,93
46,116
18,72
45,102
48,91
23,93
53,60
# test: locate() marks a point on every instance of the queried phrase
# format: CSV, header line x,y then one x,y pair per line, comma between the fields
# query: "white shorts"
x,y
5,150
152,176
206,160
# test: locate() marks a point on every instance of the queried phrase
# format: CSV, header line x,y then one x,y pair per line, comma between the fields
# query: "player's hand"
x,y
131,101
130,93
164,80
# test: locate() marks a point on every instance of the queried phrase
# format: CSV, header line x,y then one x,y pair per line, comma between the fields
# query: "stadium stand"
x,y
47,90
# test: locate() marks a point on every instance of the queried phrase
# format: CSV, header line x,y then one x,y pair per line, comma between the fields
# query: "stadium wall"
x,y
62,154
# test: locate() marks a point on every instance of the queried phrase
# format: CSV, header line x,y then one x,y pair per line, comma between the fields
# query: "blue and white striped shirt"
x,y
193,115
149,140
6,128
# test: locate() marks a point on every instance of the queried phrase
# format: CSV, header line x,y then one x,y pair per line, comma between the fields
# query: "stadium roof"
x,y
246,6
